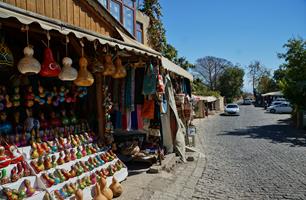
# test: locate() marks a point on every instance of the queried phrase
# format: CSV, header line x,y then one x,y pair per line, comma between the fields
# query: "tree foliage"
x,y
156,30
199,88
266,84
255,71
292,73
231,82
209,69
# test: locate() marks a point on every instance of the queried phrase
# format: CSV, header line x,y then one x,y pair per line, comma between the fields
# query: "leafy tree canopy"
x,y
292,73
231,82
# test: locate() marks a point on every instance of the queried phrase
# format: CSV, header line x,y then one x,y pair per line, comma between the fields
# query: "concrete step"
x,y
167,164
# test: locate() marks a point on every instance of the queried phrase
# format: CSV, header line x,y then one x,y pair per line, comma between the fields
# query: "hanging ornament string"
x,y
27,30
67,41
82,44
95,45
48,39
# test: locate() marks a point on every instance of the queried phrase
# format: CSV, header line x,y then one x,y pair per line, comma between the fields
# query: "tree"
x,y
266,84
292,73
170,52
231,82
199,88
210,68
183,62
155,31
255,71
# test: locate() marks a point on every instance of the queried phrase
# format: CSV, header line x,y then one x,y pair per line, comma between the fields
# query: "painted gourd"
x,y
49,68
84,78
28,64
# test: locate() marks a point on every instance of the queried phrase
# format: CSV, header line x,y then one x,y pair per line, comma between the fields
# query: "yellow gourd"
x,y
98,193
116,188
105,190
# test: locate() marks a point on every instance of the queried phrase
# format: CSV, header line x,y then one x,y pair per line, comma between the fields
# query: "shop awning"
x,y
167,64
277,93
27,17
209,98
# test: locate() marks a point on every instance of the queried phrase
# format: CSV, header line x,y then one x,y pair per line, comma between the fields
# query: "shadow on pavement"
x,y
282,132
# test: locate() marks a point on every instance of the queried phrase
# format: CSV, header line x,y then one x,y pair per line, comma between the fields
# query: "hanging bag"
x,y
149,81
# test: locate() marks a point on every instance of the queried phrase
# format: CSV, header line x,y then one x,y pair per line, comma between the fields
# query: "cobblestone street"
x,y
256,155
252,156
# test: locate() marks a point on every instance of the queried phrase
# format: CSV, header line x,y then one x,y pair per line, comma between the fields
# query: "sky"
x,y
240,31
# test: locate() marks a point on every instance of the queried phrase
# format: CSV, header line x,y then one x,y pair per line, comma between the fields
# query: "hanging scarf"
x,y
128,89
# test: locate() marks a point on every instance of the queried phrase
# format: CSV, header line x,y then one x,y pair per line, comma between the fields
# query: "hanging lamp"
x,y
84,78
120,69
68,73
28,64
49,67
97,66
6,56
110,69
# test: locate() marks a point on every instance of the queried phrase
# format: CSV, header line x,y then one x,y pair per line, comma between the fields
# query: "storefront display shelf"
x,y
89,191
74,179
35,182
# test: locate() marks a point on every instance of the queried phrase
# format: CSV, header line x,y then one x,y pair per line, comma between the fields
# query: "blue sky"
x,y
240,31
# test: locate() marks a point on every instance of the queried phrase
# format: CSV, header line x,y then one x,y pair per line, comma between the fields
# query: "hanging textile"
x,y
139,74
122,95
177,139
139,117
149,81
128,89
134,120
132,89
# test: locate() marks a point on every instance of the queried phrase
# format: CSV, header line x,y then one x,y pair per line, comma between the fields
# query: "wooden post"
x,y
100,107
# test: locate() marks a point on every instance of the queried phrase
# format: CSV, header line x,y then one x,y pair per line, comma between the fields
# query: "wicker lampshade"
x,y
120,70
68,73
109,66
28,64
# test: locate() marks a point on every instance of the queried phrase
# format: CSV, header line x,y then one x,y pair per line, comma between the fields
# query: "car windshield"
x,y
232,106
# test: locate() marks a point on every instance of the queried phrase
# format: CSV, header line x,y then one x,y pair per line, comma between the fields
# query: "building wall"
x,y
68,11
145,20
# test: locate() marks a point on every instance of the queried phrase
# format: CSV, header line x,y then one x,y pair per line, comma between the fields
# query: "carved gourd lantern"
x,y
84,78
109,66
120,70
49,67
68,73
28,64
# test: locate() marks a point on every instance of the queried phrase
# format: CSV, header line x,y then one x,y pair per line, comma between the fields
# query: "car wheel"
x,y
272,111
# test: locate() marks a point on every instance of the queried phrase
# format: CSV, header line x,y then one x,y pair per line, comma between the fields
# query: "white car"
x,y
231,109
280,108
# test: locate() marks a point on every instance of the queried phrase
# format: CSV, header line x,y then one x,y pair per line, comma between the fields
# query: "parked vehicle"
x,y
231,109
280,108
247,101
274,103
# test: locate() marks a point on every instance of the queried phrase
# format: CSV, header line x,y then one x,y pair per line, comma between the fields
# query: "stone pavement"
x,y
256,155
176,184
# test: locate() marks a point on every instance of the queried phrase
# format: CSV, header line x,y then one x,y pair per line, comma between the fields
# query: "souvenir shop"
x,y
69,104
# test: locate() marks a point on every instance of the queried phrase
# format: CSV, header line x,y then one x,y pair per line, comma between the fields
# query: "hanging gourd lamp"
x,y
97,66
84,78
28,64
68,73
6,56
120,70
49,67
109,68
